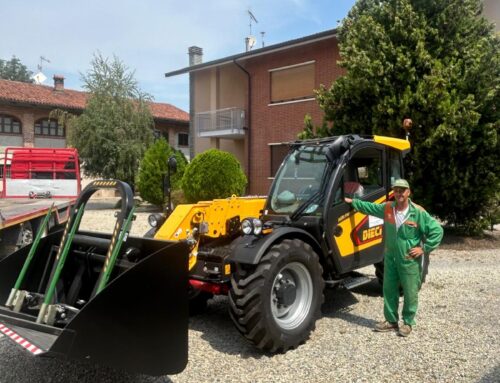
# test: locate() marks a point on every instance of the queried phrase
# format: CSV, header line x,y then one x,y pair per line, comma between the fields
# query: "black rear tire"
x,y
276,303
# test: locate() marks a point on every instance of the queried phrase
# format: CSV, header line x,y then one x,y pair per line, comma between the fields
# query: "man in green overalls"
x,y
409,233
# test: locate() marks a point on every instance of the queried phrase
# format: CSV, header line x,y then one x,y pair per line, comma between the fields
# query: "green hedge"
x,y
213,174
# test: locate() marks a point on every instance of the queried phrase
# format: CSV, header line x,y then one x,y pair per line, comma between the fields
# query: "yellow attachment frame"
x,y
186,220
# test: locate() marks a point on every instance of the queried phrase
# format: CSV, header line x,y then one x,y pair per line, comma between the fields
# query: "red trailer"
x,y
32,179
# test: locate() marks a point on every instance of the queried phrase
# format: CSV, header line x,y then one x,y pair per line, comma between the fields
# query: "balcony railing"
x,y
226,123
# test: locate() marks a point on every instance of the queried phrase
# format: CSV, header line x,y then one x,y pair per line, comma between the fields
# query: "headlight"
x,y
246,227
156,220
257,226
251,226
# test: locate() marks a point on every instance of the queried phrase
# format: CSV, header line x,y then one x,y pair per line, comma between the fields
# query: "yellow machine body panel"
x,y
369,235
207,218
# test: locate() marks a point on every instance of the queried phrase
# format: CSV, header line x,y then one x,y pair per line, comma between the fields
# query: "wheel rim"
x,y
292,315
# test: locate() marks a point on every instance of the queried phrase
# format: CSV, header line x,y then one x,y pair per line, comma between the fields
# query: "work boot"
x,y
386,326
404,330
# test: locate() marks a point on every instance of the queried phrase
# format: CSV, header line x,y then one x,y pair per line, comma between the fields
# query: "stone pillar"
x,y
28,121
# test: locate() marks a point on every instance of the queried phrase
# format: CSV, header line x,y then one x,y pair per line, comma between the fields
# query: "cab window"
x,y
364,173
395,167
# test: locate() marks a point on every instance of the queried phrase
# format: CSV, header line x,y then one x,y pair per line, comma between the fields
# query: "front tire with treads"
x,y
275,304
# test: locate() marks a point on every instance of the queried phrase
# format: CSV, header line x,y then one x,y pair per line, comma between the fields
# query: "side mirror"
x,y
336,149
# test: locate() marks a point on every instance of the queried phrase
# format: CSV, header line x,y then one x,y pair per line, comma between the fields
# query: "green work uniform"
x,y
417,229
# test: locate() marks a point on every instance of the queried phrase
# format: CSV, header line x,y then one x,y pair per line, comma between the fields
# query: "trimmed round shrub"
x,y
213,174
153,169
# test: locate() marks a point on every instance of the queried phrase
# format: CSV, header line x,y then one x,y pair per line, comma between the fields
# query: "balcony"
x,y
221,123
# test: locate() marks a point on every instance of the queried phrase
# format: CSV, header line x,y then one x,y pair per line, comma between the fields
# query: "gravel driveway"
x,y
457,338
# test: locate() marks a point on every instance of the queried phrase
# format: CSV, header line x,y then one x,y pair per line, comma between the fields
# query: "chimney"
x,y
195,55
58,82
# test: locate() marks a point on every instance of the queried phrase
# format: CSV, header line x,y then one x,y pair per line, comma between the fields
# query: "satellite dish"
x,y
39,78
251,41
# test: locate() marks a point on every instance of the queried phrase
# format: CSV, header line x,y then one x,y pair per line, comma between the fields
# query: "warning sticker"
x,y
374,221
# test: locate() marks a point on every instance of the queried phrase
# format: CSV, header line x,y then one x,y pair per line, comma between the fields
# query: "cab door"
x,y
355,238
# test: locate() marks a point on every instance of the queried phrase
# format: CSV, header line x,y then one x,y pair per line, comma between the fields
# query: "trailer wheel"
x,y
275,304
14,238
26,235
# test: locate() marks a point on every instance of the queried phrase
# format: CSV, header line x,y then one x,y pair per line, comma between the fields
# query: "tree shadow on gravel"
x,y
19,366
339,303
492,377
218,330
452,240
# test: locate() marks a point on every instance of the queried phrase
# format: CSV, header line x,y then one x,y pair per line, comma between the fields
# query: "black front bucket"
x,y
137,323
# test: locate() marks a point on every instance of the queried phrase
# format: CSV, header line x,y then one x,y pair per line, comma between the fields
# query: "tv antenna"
x,y
39,78
252,18
42,59
250,40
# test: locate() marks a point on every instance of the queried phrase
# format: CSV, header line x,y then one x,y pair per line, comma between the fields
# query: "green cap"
x,y
401,183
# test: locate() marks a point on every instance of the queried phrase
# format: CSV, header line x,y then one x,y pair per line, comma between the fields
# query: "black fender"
x,y
249,249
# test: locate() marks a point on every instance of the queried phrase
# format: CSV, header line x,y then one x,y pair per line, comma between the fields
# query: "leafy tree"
x,y
438,63
213,174
15,70
115,128
153,169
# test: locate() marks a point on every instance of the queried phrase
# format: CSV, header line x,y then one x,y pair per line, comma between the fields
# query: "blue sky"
x,y
151,36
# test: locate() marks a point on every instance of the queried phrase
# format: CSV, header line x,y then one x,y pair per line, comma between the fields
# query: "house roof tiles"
x,y
43,95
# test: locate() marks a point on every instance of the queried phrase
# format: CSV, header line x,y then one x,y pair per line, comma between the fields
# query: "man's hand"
x,y
415,253
348,200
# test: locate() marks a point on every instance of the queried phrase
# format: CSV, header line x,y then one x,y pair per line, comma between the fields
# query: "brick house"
x,y
25,109
491,10
249,103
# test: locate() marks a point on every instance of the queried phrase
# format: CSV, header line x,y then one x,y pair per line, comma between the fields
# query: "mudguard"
x,y
249,249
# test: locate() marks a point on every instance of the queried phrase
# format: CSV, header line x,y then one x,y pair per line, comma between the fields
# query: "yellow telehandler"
x,y
299,238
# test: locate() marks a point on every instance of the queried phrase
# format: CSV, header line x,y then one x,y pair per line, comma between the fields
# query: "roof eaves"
x,y
171,120
31,103
258,52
